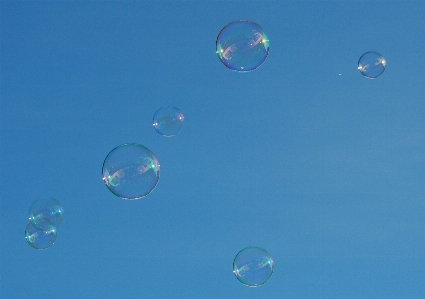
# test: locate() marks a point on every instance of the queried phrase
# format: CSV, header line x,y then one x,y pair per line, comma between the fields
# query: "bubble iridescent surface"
x,y
372,64
41,239
242,46
131,171
253,266
46,208
168,121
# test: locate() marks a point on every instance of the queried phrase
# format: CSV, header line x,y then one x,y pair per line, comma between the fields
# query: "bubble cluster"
x,y
253,266
242,46
131,171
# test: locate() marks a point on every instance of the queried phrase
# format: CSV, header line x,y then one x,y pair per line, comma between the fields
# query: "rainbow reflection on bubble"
x,y
253,266
131,171
242,46
41,238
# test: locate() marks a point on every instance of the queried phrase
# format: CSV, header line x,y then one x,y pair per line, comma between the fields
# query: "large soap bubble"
x,y
130,171
41,239
372,64
168,121
253,266
46,208
242,46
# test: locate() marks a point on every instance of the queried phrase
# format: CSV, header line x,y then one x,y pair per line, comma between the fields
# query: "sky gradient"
x,y
304,156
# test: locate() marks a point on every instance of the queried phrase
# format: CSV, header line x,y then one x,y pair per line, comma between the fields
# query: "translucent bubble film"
x,y
41,239
242,46
372,64
131,171
253,266
46,208
168,121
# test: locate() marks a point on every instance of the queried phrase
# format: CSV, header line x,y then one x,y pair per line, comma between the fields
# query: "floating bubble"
x,y
168,121
242,46
41,238
130,171
253,266
46,208
372,64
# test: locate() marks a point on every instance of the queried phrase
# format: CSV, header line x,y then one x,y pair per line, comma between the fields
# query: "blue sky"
x,y
324,171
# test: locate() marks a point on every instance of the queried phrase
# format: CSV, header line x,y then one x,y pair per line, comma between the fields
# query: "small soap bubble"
x,y
41,238
242,46
372,64
46,208
253,266
130,171
168,121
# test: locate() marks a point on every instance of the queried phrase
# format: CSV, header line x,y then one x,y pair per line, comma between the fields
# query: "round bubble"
x,y
372,64
242,46
131,171
168,121
253,266
46,208
41,239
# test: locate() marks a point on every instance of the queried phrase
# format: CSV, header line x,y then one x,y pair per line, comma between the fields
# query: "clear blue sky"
x,y
325,171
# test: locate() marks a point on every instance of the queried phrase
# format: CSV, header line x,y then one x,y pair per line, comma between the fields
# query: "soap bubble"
x,y
130,171
46,208
168,121
372,64
253,266
242,46
41,238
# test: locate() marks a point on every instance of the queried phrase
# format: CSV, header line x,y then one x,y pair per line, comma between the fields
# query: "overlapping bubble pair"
x,y
45,216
